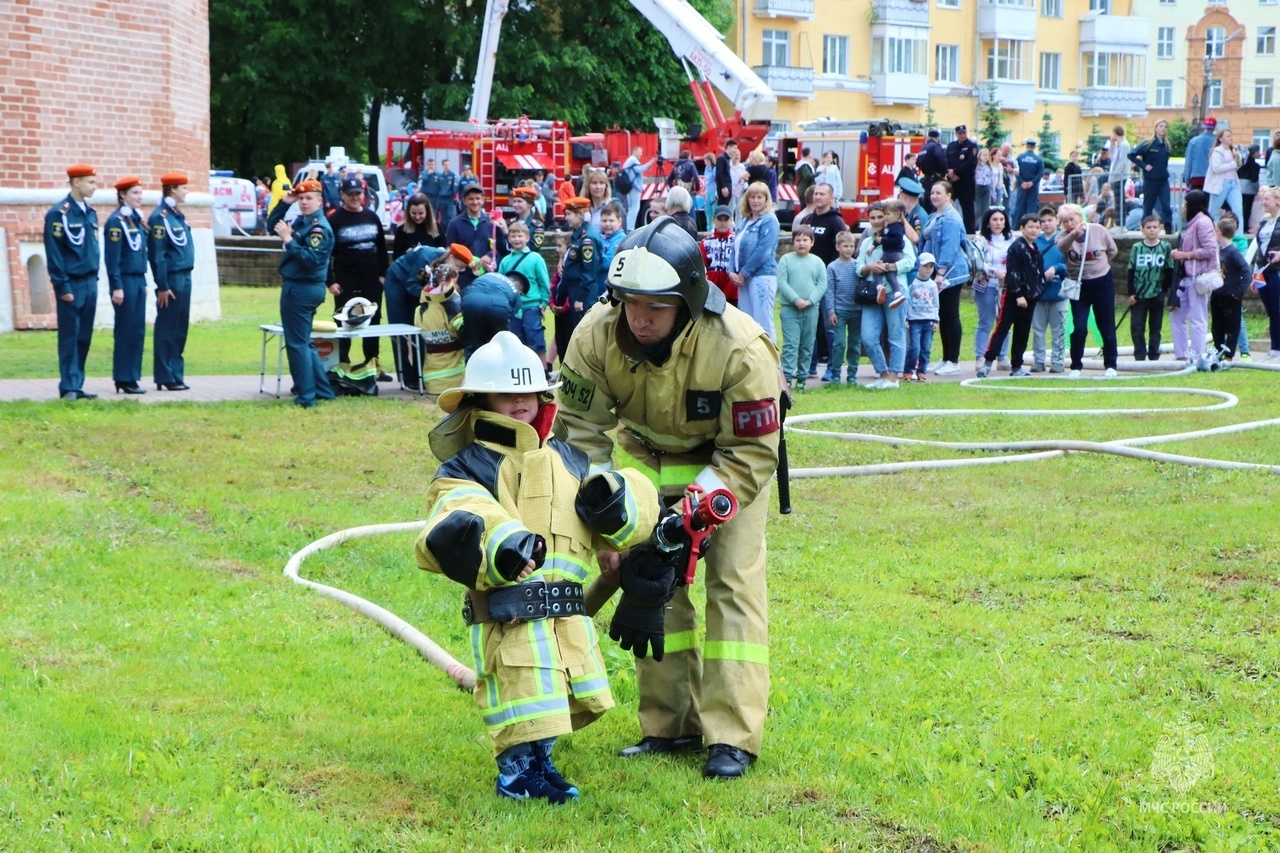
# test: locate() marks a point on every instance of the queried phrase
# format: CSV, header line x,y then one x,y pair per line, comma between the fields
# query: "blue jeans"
x,y
298,303
755,297
527,326
1230,195
846,341
919,345
988,302
874,320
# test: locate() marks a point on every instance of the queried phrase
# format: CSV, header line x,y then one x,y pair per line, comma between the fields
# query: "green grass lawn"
x,y
233,345
982,659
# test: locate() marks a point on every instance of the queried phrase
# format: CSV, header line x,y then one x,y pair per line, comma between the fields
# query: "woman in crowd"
x,y
1249,173
679,206
882,317
758,172
984,178
943,234
418,229
1198,253
597,188
1088,249
756,257
829,173
1221,182
1267,260
125,254
997,237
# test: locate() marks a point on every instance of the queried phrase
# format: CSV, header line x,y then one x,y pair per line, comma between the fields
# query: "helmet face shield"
x,y
356,314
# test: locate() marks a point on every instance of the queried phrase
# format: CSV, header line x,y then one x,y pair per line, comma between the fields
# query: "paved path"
x,y
204,389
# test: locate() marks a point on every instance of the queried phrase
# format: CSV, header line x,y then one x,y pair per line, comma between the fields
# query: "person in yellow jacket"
x,y
279,188
692,385
517,520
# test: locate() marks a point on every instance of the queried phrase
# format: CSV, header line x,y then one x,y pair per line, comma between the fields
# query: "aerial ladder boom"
x,y
495,11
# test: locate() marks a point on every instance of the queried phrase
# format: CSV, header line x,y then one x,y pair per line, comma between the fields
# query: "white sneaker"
x,y
1272,357
1075,374
889,383
874,386
948,369
1111,373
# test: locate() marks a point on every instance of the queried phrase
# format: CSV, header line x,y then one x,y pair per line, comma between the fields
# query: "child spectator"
x,y
1023,284
611,219
1226,302
560,302
657,209
841,310
802,279
527,268
502,479
1241,242
891,240
922,318
1051,309
717,253
1150,275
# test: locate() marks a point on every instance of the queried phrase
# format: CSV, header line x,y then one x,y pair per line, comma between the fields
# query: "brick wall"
x,y
123,86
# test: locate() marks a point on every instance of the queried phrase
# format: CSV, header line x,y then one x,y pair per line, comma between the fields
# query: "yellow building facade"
x,y
1082,60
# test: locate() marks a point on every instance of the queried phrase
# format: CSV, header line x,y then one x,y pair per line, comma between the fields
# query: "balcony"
x,y
889,89
1012,94
1113,101
787,81
1007,21
802,9
900,12
1113,34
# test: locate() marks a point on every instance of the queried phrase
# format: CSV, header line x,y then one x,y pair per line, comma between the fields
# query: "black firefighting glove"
x,y
516,551
648,578
601,503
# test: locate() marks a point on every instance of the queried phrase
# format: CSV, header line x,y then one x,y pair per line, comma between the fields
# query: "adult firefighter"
x,y
692,384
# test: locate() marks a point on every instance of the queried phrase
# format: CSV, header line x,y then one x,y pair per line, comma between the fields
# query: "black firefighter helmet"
x,y
661,259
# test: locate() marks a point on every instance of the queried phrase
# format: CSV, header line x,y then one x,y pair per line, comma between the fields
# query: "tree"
x,y
1093,144
1048,142
1180,133
930,117
993,132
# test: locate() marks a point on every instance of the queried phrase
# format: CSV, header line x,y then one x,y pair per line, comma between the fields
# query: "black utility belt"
x,y
526,602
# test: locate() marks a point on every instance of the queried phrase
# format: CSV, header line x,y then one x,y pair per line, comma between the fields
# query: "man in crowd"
x,y
172,254
635,170
1030,171
448,187
962,162
724,173
331,183
359,262
1119,171
806,172
1198,149
71,255
909,193
826,223
932,163
473,229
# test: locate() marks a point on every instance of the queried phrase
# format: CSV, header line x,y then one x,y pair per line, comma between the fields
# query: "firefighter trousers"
x,y
721,688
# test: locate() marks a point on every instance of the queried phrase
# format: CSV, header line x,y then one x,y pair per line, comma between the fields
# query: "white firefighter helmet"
x,y
356,314
502,366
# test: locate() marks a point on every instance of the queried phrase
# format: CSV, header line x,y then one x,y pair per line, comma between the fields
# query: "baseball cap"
x,y
472,188
352,185
1210,122
723,210
927,258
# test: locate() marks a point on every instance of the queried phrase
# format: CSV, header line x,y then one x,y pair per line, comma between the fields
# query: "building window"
x,y
1262,139
1268,2
1050,71
1005,59
946,63
1164,93
777,47
1051,8
898,56
1024,3
1215,42
1123,70
948,136
949,4
835,55
1215,93
1164,43
1168,2
1103,6
1263,91
1266,41
779,128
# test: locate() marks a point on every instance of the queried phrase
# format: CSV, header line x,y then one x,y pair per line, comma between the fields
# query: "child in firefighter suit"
x,y
515,518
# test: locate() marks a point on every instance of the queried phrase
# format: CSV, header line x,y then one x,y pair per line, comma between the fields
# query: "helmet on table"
x,y
502,366
662,260
356,314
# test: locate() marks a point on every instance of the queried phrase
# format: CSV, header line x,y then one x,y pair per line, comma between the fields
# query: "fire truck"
x,y
870,152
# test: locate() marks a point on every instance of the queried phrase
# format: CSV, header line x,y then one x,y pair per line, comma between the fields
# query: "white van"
x,y
373,178
235,206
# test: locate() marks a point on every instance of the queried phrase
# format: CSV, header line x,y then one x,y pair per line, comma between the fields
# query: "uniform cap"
x,y
173,179
1030,140
308,186
502,366
80,170
927,258
961,128
577,203
472,188
527,193
461,252
352,185
910,186
128,183
935,134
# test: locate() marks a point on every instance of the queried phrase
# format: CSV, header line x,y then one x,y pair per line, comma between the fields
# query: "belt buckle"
x,y
535,589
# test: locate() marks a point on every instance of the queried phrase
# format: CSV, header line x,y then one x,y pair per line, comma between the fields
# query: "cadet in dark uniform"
x,y
403,289
1030,171
962,162
932,163
126,257
304,267
488,304
71,255
582,278
522,202
173,255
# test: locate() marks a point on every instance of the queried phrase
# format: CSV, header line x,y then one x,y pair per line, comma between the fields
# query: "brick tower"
x,y
123,86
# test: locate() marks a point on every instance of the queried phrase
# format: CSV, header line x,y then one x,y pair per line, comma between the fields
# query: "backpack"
x,y
974,256
623,183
